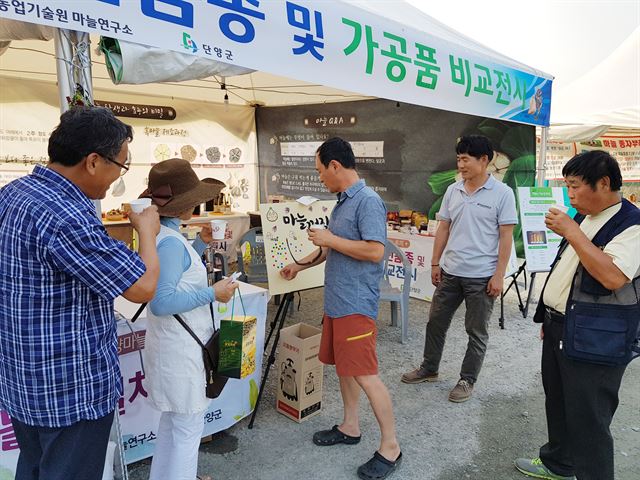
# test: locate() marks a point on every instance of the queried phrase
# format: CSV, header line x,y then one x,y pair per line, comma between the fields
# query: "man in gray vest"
x,y
470,256
588,301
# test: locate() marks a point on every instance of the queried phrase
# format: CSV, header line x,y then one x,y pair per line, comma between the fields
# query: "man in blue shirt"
x,y
353,247
59,274
470,255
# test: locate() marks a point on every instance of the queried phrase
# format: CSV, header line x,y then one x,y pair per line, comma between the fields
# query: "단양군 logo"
x,y
189,43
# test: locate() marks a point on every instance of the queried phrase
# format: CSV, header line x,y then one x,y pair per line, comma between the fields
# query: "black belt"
x,y
553,315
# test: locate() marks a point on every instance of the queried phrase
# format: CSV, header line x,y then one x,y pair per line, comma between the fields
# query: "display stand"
x,y
531,285
276,325
523,307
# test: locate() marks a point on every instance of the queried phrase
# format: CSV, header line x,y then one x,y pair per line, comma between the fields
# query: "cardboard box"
x,y
237,346
300,372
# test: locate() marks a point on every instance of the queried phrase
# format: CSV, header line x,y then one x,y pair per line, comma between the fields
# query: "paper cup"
x,y
562,208
218,229
317,227
139,204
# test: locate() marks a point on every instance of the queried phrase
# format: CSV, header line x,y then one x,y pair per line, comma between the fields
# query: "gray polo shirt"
x,y
352,286
472,248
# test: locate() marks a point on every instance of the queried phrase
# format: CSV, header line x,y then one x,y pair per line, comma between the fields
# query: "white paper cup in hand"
x,y
562,208
317,227
218,229
139,204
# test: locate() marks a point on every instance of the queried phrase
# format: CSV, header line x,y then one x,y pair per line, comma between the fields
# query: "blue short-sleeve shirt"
x,y
59,275
352,286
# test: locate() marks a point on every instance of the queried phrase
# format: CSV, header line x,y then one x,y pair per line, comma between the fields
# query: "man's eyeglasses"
x,y
124,166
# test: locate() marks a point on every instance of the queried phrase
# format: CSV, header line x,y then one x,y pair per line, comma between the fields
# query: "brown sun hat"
x,y
175,188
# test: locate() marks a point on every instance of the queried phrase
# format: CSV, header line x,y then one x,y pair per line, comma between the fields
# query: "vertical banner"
x,y
9,449
540,243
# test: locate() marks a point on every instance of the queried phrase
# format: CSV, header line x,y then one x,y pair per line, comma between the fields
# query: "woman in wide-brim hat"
x,y
173,360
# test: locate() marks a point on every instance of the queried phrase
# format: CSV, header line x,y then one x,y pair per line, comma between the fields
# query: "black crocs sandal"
x,y
333,437
378,467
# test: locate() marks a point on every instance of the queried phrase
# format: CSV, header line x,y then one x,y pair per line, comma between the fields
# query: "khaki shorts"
x,y
349,343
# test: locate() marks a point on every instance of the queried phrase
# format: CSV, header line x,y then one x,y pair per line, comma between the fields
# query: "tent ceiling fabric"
x,y
36,60
132,63
607,95
15,30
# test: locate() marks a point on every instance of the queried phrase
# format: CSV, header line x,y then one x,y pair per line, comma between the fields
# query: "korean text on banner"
x,y
333,43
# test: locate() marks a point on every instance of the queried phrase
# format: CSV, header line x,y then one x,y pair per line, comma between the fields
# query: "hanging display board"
x,y
405,153
219,143
624,148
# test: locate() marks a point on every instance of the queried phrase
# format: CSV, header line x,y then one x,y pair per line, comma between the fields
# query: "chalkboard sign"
x,y
397,147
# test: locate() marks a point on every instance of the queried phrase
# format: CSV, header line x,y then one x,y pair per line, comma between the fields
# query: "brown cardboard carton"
x,y
299,372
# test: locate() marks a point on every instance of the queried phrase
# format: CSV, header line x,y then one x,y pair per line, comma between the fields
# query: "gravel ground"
x,y
440,440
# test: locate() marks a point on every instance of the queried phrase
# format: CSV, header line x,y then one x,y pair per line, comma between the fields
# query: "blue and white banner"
x,y
332,43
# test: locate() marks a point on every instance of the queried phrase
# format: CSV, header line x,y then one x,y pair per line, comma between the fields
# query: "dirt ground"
x,y
440,440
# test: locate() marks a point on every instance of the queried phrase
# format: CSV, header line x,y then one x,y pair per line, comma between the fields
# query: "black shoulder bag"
x,y
214,383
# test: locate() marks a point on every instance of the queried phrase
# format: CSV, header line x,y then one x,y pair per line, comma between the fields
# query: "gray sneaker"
x,y
461,392
533,467
419,375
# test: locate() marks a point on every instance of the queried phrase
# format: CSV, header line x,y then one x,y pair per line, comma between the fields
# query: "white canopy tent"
x,y
604,100
384,48
471,78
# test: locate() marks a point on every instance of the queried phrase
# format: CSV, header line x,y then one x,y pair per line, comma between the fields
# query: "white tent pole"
x,y
64,55
73,66
542,160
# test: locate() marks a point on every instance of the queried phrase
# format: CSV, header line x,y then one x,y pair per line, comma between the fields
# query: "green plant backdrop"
x,y
513,141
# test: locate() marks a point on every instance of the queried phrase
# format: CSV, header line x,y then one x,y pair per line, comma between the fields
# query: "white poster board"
x,y
284,226
418,250
219,142
540,243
